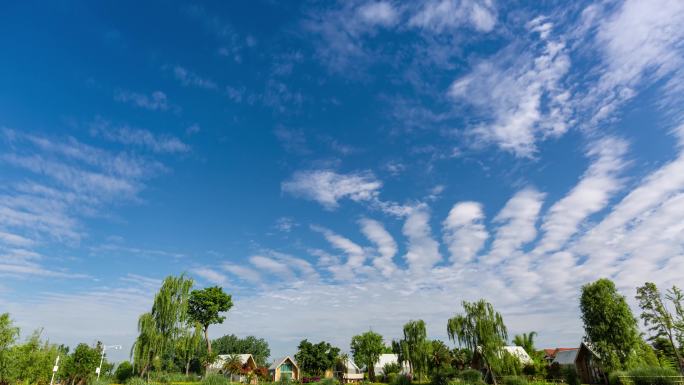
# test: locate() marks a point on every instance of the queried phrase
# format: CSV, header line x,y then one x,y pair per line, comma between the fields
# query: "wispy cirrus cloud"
x,y
124,134
328,187
157,100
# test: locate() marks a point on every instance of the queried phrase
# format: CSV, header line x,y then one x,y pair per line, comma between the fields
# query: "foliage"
x,y
441,375
440,356
416,347
188,345
514,380
79,366
481,329
123,372
32,361
366,349
316,358
470,376
402,380
262,373
609,325
232,344
619,377
215,379
391,368
308,380
232,365
8,335
570,375
205,307
329,381
526,341
653,376
135,380
658,319
461,357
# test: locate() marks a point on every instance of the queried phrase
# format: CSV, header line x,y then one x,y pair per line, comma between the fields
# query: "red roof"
x,y
551,352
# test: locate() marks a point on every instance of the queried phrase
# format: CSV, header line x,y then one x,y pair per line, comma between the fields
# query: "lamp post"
x,y
54,370
105,347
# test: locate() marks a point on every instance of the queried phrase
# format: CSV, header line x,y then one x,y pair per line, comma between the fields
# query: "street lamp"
x,y
105,347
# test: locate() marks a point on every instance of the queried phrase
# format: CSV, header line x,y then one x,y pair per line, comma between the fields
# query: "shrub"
x,y
470,376
619,378
653,376
514,380
123,372
136,381
391,378
215,379
441,376
329,381
570,375
402,380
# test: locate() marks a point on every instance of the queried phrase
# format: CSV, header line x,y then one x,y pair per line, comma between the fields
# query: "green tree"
x,y
657,318
440,356
8,336
315,359
526,341
366,349
480,329
33,360
80,365
416,347
205,307
123,372
609,325
188,344
147,344
232,344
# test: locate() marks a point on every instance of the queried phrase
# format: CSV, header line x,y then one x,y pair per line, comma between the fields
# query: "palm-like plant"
x,y
233,365
526,341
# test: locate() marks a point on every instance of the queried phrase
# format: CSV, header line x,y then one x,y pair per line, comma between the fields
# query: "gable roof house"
x,y
519,353
247,362
550,354
349,372
388,358
565,357
284,367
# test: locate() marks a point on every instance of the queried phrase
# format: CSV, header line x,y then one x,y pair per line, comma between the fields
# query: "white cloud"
x,y
210,275
590,195
519,96
381,13
442,15
155,101
188,78
327,187
422,250
516,225
158,143
271,265
242,272
356,256
464,231
386,246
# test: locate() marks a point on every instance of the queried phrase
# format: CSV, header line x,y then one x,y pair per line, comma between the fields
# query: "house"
x,y
565,357
348,372
284,368
550,354
247,366
519,353
587,365
388,358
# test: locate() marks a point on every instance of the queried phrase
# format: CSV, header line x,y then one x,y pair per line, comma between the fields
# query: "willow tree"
x,y
147,345
658,318
160,329
480,329
188,345
416,347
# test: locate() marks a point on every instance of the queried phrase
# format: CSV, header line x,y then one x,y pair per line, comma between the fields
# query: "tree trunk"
x,y
206,337
371,372
676,352
187,368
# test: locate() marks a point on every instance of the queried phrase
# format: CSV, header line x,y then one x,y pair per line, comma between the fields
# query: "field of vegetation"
x,y
173,348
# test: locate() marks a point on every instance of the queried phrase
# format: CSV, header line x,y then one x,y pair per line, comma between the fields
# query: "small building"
x,y
519,353
550,354
565,358
247,366
284,368
388,358
587,365
348,372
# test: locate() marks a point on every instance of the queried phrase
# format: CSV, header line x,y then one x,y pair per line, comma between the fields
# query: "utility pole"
x,y
54,370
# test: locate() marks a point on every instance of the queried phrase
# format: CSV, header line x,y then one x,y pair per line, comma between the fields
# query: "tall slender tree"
x,y
8,336
610,325
480,329
656,316
416,347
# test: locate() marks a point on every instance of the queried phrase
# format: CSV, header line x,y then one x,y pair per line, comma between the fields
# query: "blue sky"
x,y
337,165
